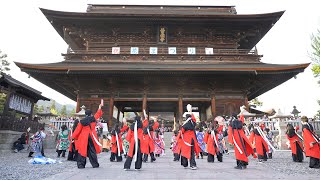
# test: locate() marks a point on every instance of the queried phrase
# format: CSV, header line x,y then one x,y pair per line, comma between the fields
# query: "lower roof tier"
x,y
70,78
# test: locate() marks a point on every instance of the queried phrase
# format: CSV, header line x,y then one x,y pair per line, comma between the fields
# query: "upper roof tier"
x,y
250,29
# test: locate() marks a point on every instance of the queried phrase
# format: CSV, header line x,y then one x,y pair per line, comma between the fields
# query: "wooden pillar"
x,y
111,103
180,110
246,103
144,104
213,106
118,115
31,113
78,103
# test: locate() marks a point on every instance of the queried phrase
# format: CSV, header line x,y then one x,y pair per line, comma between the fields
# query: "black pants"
x,y
314,162
176,157
211,157
145,156
73,154
138,163
298,157
63,152
115,156
264,157
242,163
92,155
184,160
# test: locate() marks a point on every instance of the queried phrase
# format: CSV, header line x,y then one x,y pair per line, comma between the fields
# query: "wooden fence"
x,y
10,123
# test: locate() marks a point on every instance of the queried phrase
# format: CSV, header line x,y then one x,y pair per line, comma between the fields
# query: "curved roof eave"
x,y
98,15
83,67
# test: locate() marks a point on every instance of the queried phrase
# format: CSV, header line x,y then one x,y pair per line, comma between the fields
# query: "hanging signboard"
x,y
209,51
191,50
172,50
21,104
134,50
153,50
115,50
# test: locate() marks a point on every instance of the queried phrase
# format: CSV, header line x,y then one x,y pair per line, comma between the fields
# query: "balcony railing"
x,y
161,51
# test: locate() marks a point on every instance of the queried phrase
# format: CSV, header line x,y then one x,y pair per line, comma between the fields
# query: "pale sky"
x,y
26,36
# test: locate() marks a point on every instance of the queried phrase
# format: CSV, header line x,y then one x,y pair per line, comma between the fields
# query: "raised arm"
x,y
98,113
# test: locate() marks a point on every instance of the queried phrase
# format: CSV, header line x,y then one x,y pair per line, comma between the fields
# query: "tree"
x,y
35,109
41,108
315,56
72,112
63,111
53,109
4,65
256,102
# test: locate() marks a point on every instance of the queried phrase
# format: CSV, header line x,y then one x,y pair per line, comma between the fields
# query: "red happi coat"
x,y
114,146
308,138
187,137
238,135
130,139
144,144
293,143
211,145
150,141
82,133
259,143
178,144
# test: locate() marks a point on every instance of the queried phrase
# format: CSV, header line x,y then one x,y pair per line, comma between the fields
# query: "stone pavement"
x,y
165,168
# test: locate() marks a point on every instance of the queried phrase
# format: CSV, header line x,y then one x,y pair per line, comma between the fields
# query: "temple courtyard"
x,y
15,166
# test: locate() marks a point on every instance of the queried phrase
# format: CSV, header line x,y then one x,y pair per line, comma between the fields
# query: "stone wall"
x,y
7,137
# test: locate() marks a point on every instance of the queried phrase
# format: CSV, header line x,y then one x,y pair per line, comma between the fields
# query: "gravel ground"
x,y
15,165
282,163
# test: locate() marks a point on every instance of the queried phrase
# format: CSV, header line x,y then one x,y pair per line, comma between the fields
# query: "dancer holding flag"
x,y
242,146
211,138
116,143
311,143
149,126
190,144
260,142
134,137
87,139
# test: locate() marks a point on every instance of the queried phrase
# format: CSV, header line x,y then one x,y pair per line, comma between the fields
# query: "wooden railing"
x,y
273,124
56,124
162,51
10,123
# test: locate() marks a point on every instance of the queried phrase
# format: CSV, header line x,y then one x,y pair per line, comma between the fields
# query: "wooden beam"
x,y
144,104
78,103
180,112
213,106
111,103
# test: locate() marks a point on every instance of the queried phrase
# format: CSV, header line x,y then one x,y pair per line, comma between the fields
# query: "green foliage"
x,y
72,112
4,63
256,102
53,105
63,111
54,111
3,97
35,109
41,109
316,69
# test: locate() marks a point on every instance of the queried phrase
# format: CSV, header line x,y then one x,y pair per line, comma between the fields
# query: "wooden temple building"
x,y
161,58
